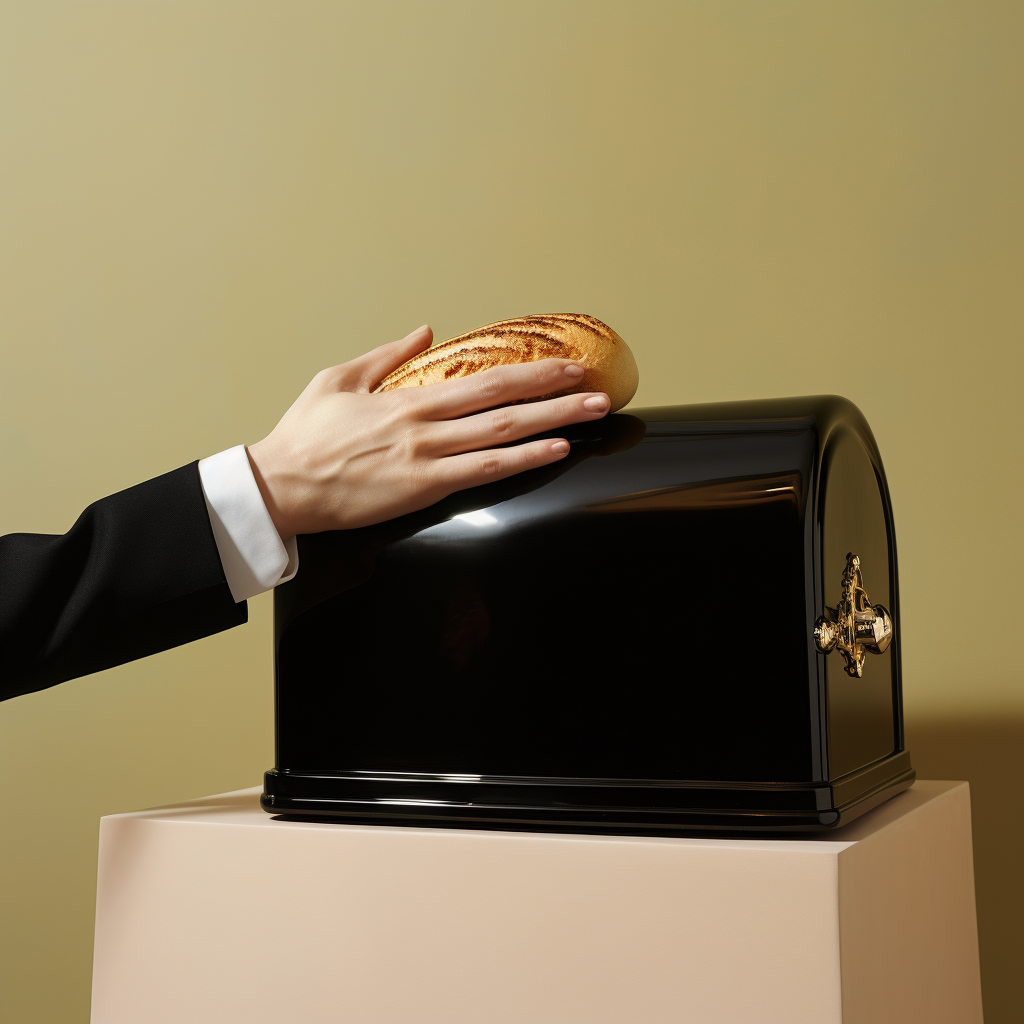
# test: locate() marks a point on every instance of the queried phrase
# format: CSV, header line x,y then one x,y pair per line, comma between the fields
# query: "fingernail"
x,y
560,447
596,404
574,370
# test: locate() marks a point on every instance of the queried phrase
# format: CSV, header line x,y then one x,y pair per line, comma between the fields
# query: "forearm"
x,y
138,573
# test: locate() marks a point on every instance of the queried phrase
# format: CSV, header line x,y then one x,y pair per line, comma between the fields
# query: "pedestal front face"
x,y
215,913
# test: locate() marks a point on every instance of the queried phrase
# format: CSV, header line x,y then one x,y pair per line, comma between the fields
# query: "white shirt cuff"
x,y
251,551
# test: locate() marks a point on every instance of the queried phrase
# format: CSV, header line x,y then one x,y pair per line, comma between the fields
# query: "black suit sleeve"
x,y
138,573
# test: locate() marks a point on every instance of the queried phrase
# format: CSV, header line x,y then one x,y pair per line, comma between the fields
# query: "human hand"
x,y
342,457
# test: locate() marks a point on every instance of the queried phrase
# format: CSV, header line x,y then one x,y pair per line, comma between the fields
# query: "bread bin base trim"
x,y
604,806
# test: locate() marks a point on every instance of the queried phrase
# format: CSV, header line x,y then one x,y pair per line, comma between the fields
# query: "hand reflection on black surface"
x,y
338,560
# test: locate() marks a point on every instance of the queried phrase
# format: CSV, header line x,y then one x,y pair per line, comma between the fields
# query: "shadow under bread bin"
x,y
691,623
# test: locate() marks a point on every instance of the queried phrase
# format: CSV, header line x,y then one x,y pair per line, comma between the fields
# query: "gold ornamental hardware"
x,y
856,627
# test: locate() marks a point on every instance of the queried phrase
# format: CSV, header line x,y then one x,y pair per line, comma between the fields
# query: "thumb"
x,y
366,372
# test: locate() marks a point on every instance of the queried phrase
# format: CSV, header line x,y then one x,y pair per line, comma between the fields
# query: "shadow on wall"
x,y
989,754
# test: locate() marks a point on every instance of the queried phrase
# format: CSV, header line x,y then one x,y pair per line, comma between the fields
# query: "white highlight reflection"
x,y
477,518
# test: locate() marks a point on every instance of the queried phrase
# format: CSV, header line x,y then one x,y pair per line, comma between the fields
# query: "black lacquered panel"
x,y
592,627
862,723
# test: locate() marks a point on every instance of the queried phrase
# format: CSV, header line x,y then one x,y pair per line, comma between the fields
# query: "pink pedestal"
x,y
214,913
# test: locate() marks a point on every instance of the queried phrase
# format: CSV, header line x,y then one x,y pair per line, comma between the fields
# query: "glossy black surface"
x,y
622,641
862,722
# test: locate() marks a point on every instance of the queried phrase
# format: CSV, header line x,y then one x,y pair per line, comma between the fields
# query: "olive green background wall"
x,y
203,203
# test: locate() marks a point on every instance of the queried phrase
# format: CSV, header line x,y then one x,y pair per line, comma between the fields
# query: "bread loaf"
x,y
609,365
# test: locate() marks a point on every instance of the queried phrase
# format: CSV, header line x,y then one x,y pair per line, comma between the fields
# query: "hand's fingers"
x,y
366,371
511,423
457,472
497,386
381,361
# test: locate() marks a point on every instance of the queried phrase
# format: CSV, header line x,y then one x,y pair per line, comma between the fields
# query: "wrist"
x,y
273,488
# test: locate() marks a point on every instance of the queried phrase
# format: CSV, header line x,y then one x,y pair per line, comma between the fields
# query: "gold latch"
x,y
856,626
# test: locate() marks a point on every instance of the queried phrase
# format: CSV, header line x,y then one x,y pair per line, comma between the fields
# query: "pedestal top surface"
x,y
241,808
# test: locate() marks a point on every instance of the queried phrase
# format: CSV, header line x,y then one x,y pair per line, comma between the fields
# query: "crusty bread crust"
x,y
606,358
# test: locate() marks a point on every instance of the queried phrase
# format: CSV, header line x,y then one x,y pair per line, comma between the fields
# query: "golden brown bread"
x,y
606,358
